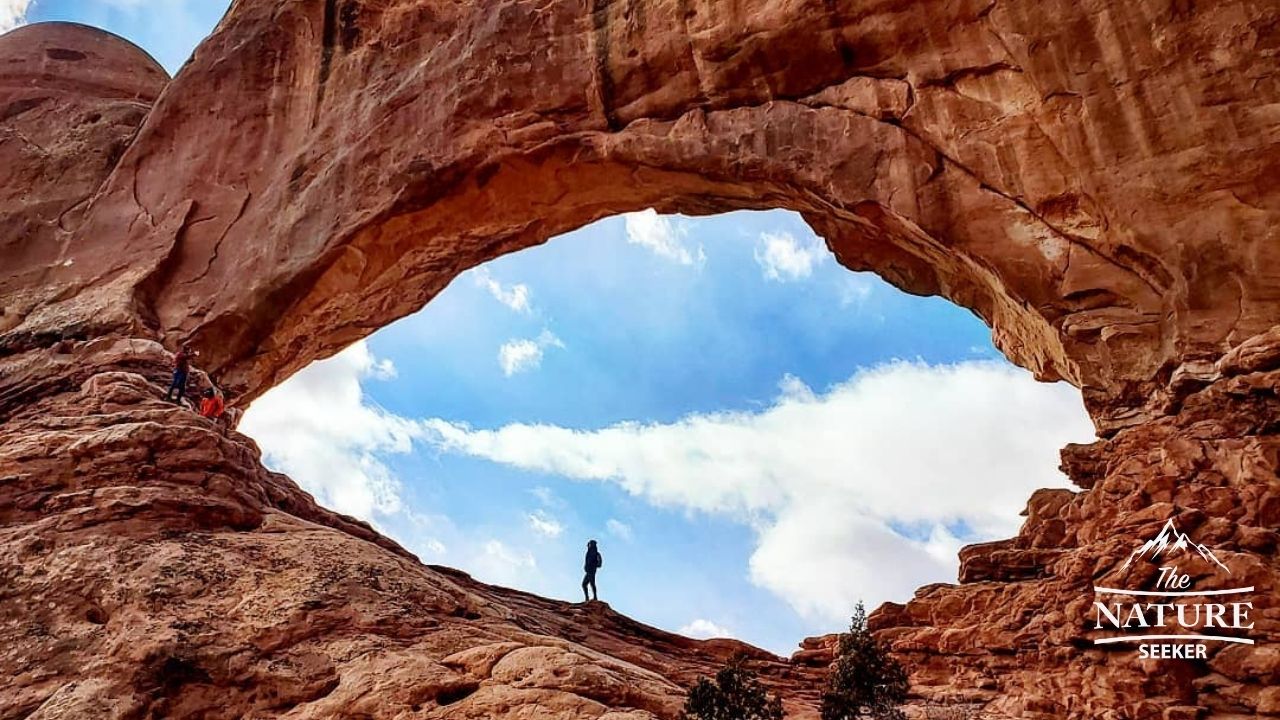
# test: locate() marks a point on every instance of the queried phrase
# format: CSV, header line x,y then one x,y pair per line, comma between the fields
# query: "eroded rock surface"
x,y
150,567
71,100
1098,180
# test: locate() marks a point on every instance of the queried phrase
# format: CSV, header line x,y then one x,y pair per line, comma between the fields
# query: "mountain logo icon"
x,y
1170,541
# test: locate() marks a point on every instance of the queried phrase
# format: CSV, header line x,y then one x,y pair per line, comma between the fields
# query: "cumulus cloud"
x,y
542,523
321,429
515,296
864,490
500,563
662,234
517,356
704,629
619,529
856,492
13,13
784,258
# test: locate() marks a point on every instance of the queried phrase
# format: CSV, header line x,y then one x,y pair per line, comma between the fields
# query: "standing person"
x,y
593,562
181,368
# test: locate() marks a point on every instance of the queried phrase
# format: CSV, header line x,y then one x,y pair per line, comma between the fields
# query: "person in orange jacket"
x,y
211,404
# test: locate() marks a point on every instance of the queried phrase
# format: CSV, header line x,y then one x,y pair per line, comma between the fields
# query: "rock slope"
x,y
150,567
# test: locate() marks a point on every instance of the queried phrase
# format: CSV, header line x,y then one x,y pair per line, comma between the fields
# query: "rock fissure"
x,y
217,244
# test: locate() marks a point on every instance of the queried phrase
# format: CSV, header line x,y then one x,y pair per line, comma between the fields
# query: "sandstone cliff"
x,y
152,568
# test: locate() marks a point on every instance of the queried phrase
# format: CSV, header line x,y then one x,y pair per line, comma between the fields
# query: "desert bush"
x,y
865,681
734,694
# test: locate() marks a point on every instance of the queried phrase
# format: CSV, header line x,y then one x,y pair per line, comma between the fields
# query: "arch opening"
x,y
717,400
376,177
384,269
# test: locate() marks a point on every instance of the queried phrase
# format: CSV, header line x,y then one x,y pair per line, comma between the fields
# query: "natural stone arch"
x,y
1096,179
320,169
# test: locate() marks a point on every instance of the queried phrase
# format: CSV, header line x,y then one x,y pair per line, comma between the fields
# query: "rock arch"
x,y
1096,180
1083,178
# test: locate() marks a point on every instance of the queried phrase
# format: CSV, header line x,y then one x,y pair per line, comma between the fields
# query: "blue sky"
x,y
757,437
168,29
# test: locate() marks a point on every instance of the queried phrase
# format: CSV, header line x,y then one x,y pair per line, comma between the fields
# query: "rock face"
x,y
71,100
1098,180
1095,179
151,568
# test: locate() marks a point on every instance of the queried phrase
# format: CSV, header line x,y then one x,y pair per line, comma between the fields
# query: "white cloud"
x,y
857,289
383,370
825,478
542,523
545,495
704,629
516,356
323,430
663,235
506,558
784,258
320,429
619,529
791,387
854,492
13,13
515,296
424,538
502,564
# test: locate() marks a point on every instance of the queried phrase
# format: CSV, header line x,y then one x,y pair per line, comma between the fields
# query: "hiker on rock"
x,y
593,562
211,404
181,368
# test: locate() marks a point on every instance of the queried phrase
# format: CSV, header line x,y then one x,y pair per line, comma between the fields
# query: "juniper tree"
x,y
865,681
735,694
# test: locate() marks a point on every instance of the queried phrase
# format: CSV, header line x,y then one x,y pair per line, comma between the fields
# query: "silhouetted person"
x,y
181,368
593,562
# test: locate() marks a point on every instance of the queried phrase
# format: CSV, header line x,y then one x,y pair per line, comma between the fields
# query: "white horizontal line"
x,y
1140,638
1170,593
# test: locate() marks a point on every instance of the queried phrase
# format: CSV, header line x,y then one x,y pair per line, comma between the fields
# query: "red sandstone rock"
x,y
71,100
152,568
1082,179
1097,180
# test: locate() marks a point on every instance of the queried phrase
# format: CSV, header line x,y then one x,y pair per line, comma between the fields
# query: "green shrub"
x,y
865,681
735,694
